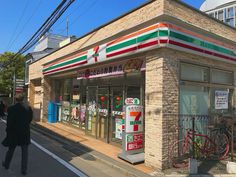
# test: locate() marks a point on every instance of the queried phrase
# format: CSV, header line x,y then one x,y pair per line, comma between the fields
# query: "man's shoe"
x,y
4,165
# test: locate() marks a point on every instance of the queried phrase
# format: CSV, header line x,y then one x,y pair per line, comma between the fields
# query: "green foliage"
x,y
7,71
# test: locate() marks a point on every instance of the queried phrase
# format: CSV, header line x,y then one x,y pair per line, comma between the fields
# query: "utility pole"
x,y
14,85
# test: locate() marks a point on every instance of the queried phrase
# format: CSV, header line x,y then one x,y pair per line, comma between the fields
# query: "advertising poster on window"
x,y
221,99
118,128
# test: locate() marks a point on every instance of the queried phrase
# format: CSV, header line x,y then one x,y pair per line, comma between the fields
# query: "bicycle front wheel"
x,y
179,154
221,145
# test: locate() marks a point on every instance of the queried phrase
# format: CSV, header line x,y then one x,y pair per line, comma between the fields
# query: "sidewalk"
x,y
105,152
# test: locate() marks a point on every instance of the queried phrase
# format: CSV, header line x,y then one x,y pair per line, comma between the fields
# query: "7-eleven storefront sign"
x,y
132,136
133,127
133,118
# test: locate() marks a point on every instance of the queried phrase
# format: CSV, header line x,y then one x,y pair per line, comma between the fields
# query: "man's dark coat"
x,y
18,125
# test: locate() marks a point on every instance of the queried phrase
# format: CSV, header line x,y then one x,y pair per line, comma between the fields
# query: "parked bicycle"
x,y
200,146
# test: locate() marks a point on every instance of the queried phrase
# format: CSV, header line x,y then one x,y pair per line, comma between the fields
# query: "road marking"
x,y
63,162
66,164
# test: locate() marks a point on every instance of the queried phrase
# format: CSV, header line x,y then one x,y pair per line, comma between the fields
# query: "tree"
x,y
7,71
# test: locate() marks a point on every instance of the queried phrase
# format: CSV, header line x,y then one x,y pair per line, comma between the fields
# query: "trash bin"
x,y
51,112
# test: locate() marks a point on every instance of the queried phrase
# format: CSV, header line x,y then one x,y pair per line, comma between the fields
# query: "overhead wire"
x,y
80,5
49,25
39,32
56,14
85,11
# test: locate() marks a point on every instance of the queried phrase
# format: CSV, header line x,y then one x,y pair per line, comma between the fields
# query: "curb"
x,y
129,171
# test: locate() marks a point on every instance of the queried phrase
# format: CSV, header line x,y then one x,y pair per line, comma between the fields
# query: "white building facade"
x,y
223,10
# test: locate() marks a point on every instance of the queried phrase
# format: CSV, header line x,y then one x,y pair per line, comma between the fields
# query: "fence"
x,y
176,126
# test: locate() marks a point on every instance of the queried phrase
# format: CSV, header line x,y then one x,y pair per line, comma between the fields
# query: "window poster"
x,y
118,134
221,99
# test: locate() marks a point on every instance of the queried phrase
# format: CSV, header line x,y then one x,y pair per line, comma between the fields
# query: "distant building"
x,y
46,45
223,10
67,41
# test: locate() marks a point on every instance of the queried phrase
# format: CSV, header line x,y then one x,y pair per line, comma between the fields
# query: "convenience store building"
x,y
173,58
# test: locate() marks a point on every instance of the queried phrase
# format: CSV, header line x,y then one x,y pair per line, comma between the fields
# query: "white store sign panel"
x,y
221,99
133,118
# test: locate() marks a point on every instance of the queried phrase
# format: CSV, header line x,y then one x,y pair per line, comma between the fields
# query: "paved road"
x,y
50,158
40,163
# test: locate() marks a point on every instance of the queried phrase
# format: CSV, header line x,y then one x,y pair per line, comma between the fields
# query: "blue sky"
x,y
20,19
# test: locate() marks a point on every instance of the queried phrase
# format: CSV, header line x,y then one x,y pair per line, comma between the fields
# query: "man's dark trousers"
x,y
24,157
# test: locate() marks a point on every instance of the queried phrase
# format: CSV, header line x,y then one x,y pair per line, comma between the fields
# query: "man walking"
x,y
18,132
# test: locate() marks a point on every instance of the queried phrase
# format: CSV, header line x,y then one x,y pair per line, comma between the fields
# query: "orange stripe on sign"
x,y
134,113
137,33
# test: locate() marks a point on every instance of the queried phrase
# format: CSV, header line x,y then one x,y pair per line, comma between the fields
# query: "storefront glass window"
x,y
194,100
133,92
92,110
133,85
197,98
75,103
198,73
83,109
65,100
117,110
222,77
67,89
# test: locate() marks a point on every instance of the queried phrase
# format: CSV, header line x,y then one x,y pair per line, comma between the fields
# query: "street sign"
x,y
19,85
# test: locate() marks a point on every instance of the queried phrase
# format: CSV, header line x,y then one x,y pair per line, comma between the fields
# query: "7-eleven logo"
x,y
97,54
133,118
137,122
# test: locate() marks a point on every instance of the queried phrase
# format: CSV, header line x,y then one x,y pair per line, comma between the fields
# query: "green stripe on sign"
x,y
132,42
201,43
121,45
66,63
147,37
163,33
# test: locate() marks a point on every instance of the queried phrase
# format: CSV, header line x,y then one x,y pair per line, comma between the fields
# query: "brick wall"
x,y
162,69
162,99
47,91
153,109
131,20
141,15
190,16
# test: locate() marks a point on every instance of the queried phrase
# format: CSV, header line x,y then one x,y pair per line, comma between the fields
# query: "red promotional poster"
x,y
134,142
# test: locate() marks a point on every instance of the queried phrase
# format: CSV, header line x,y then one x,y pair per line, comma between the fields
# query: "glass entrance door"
x,y
117,99
91,111
103,113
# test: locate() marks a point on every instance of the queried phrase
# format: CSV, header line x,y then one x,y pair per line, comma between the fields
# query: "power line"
x,y
86,10
56,14
80,5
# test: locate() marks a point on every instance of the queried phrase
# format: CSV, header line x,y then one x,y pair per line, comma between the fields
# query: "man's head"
x,y
19,97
